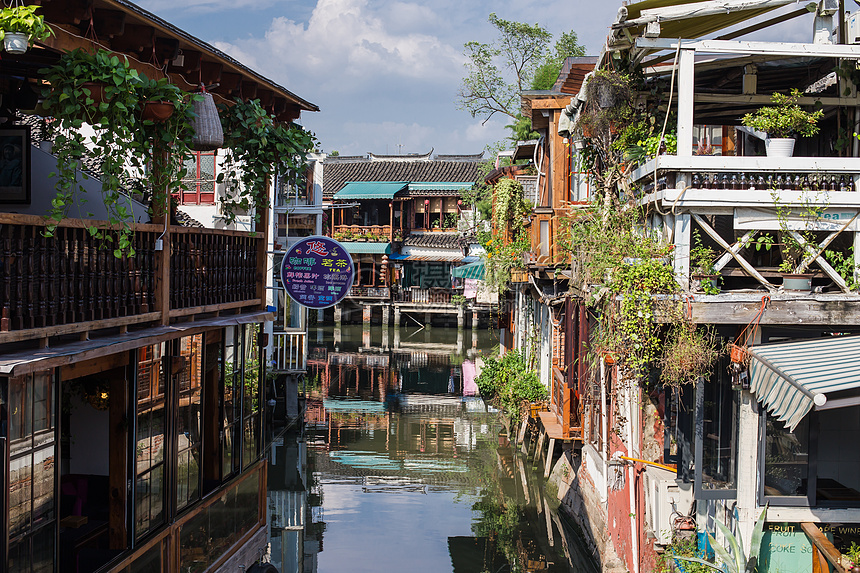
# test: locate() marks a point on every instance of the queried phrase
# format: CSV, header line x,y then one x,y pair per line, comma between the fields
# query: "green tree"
x,y
521,57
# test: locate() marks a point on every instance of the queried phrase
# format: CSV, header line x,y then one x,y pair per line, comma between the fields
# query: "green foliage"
x,y
682,548
257,150
844,265
508,381
853,553
689,354
785,118
121,139
508,212
521,129
547,73
702,257
24,20
732,556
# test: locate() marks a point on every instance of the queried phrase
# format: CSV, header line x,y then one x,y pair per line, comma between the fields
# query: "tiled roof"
x,y
338,171
437,240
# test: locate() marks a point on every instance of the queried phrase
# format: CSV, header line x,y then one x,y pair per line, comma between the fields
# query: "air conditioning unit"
x,y
664,495
853,28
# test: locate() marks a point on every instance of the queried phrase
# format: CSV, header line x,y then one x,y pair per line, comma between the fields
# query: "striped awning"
x,y
471,271
789,378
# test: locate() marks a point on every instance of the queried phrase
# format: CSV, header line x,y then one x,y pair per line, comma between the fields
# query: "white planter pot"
x,y
779,147
15,43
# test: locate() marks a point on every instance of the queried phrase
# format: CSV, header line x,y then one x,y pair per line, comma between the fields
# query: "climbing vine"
x,y
258,149
505,251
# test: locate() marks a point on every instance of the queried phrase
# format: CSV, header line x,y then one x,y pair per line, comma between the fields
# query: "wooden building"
x,y
131,389
732,442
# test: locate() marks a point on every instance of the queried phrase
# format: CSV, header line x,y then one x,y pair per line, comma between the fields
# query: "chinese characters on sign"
x,y
317,272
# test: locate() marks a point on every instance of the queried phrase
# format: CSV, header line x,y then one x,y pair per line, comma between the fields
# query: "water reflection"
x,y
401,467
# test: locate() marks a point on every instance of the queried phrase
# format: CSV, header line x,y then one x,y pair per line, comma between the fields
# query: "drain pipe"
x,y
631,479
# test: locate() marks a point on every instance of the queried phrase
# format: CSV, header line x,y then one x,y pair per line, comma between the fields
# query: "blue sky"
x,y
385,73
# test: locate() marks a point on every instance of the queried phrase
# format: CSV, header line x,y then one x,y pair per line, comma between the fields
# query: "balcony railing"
x,y
288,351
417,295
369,292
358,232
73,283
732,201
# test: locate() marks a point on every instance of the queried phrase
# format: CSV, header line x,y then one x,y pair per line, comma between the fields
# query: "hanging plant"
x,y
258,149
509,208
20,26
121,140
689,354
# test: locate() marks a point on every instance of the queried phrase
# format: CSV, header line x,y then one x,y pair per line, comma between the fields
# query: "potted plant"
x,y
688,355
792,243
20,26
158,99
703,272
782,121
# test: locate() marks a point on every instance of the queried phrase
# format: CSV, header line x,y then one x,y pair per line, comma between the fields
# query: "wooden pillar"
x,y
391,221
118,458
685,81
461,318
386,315
262,237
161,216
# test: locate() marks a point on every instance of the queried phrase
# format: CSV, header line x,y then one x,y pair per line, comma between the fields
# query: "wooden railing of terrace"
x,y
73,283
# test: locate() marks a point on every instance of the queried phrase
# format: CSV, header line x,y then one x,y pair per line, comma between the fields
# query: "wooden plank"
x,y
815,254
741,261
59,330
549,452
87,367
178,312
736,248
801,311
555,102
824,545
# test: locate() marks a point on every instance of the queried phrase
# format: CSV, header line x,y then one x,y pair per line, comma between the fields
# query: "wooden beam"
x,y
816,255
736,248
791,310
108,23
94,366
794,49
210,72
135,39
59,330
166,49
559,102
824,545
248,90
191,62
741,261
65,11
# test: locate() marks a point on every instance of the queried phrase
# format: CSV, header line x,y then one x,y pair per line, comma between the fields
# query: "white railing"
x,y
289,352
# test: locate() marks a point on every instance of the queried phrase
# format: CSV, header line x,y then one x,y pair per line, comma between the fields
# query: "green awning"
x,y
441,186
789,378
370,190
470,271
360,248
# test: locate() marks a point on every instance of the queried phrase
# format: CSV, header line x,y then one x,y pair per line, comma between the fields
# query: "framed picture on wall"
x,y
15,164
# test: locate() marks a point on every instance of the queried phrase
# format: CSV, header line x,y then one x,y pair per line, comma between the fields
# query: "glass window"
x,y
149,441
719,431
251,418
231,403
189,373
28,404
199,179
786,458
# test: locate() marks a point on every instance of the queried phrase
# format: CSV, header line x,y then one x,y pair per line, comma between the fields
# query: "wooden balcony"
x,y
359,232
418,295
72,283
723,201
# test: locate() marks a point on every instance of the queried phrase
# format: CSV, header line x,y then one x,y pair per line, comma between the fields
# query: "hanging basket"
x,y
738,354
208,134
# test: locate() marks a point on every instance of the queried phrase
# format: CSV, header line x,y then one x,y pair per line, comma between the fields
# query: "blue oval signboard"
x,y
317,272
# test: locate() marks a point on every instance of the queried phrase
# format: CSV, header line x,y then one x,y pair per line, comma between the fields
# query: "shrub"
x,y
508,381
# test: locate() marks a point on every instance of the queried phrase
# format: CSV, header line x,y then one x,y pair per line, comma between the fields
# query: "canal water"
x,y
400,466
